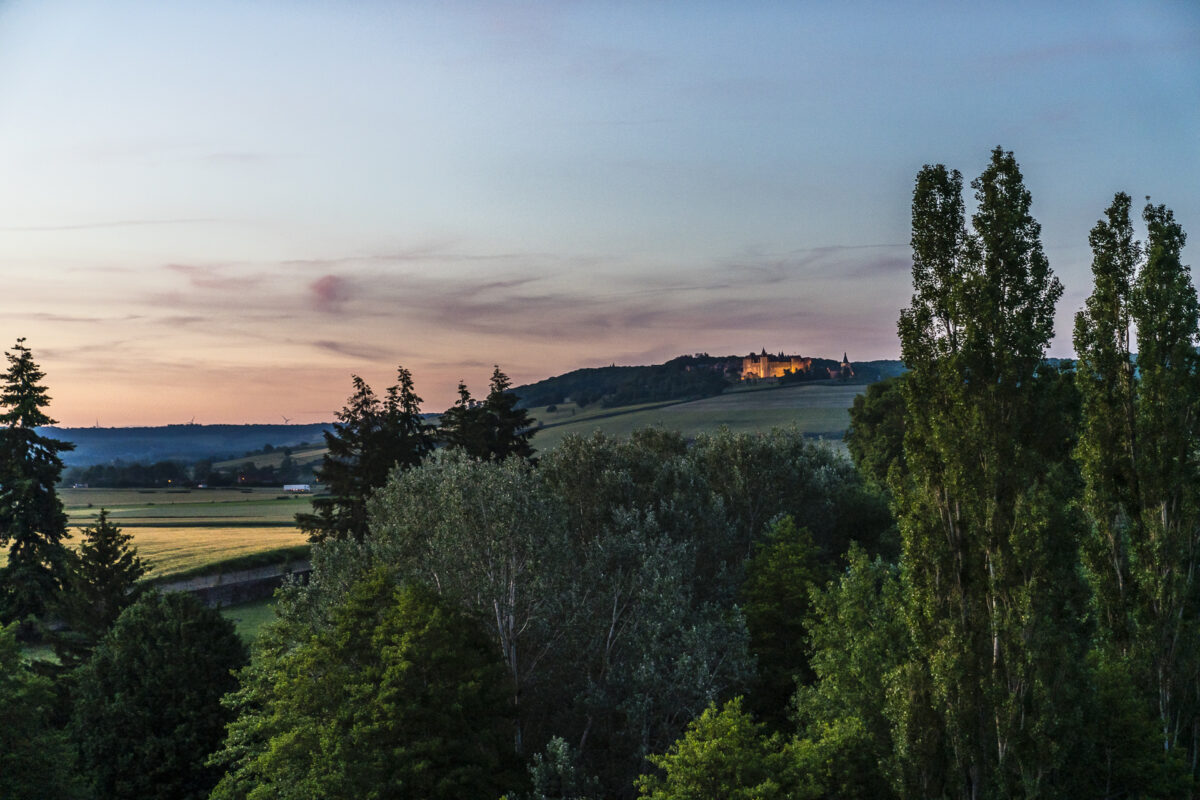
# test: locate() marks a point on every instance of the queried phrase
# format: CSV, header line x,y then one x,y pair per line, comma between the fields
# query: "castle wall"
x,y
765,366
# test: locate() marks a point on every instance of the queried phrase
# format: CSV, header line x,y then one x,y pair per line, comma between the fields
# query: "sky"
x,y
221,211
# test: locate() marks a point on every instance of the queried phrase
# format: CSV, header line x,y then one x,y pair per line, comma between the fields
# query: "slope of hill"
x,y
819,409
682,378
178,442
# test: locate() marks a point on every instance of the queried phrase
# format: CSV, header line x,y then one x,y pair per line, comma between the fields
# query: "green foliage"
x,y
724,755
35,759
147,704
683,377
370,438
780,576
32,522
494,429
1123,753
858,641
875,437
484,533
556,775
994,596
102,583
401,695
1139,452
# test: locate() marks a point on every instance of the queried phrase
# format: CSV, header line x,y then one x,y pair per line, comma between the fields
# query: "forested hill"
x,y
178,442
686,376
681,378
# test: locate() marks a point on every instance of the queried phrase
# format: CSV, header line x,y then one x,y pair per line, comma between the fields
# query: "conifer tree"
x,y
490,430
370,438
989,538
32,522
102,583
509,427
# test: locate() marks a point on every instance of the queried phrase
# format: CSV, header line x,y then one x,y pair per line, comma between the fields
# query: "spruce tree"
x,y
990,557
509,427
490,430
102,583
32,522
370,438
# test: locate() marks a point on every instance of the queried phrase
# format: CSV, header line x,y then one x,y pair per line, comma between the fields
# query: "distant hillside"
x,y
179,442
687,376
682,378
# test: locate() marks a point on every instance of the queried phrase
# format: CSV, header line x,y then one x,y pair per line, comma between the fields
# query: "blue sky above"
x,y
225,209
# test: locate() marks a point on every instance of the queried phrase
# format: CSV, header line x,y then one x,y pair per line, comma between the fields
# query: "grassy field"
x,y
300,456
183,530
819,409
249,617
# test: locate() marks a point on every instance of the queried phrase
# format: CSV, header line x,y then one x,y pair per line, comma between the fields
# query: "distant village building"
x,y
843,371
764,365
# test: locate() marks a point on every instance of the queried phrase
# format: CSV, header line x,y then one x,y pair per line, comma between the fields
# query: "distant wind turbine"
x,y
286,420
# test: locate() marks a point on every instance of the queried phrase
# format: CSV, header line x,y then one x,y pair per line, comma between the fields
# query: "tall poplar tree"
x,y
989,540
32,522
1138,452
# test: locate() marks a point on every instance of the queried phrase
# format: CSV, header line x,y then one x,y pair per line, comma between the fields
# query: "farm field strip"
x,y
177,530
168,550
820,410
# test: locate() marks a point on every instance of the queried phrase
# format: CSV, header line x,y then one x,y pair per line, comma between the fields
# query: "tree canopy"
x,y
370,438
400,695
147,704
32,522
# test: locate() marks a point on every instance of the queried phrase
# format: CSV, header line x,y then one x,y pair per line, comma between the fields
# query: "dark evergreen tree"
x,y
147,704
490,430
32,522
509,427
370,438
102,583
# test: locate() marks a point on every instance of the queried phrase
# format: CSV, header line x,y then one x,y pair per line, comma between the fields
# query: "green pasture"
x,y
180,508
308,455
250,617
180,531
819,409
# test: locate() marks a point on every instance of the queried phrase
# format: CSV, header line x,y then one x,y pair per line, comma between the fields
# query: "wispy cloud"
x,y
118,223
352,349
210,277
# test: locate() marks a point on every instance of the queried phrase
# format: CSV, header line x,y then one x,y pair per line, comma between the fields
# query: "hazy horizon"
x,y
223,210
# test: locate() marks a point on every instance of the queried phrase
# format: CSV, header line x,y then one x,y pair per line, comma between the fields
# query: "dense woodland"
x,y
998,598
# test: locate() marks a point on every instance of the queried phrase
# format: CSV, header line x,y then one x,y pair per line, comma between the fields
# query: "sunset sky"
x,y
222,210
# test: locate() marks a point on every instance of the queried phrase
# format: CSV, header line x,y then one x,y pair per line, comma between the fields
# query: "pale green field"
x,y
250,617
812,408
179,532
309,455
174,507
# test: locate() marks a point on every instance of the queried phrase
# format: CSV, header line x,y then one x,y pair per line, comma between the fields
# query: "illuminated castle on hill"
x,y
771,366
765,365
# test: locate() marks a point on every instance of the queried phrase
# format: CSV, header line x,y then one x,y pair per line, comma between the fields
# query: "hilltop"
x,y
685,377
567,400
